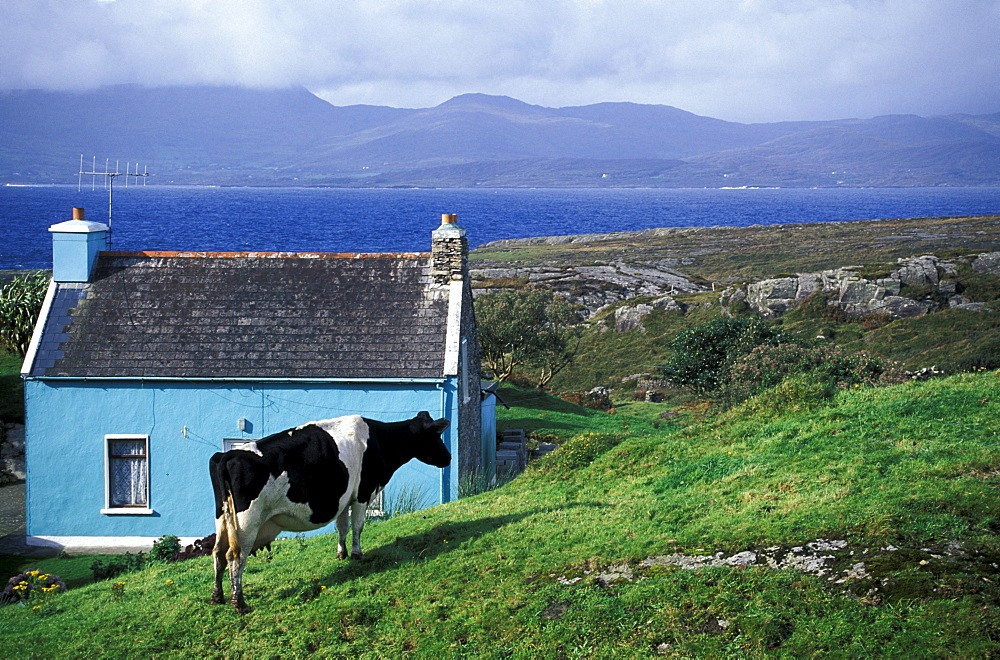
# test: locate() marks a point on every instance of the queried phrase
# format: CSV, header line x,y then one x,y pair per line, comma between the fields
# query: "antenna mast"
x,y
110,180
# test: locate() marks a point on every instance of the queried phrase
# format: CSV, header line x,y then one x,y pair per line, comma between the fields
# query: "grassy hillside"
x,y
953,339
902,481
727,254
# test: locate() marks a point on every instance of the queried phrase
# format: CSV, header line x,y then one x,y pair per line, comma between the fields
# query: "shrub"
x,y
579,451
166,548
199,548
31,586
829,366
20,301
105,569
703,353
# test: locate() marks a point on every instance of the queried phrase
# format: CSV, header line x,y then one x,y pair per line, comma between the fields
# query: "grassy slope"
x,y
914,465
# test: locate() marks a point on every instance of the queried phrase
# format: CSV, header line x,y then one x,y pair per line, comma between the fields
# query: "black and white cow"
x,y
303,478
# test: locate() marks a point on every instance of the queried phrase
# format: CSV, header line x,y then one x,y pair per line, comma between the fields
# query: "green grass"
x,y
726,254
913,465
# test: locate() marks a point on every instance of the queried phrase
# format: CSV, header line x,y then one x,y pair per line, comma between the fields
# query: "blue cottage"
x,y
144,364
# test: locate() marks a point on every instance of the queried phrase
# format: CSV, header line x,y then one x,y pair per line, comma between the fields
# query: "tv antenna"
x,y
109,181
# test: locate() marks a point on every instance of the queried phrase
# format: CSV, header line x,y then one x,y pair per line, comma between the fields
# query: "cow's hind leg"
x,y
237,558
343,522
219,560
358,510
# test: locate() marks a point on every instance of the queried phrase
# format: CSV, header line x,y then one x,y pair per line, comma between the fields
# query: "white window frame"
x,y
124,510
235,443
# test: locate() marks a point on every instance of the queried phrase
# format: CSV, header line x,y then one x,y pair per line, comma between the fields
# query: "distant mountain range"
x,y
233,136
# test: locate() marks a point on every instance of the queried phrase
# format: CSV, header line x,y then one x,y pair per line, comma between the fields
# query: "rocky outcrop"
x,y
595,287
988,263
854,294
630,317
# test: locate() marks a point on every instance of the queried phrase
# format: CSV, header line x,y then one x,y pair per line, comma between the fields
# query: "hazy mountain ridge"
x,y
233,136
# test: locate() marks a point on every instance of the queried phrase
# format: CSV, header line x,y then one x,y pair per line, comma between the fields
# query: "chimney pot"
x,y
77,213
449,218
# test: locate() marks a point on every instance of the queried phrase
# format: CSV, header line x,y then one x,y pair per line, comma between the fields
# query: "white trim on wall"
x,y
36,335
454,332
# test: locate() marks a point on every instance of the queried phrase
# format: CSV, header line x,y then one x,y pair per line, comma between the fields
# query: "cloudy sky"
x,y
742,60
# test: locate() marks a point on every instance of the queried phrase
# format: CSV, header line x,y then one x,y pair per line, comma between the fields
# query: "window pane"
x,y
127,475
127,447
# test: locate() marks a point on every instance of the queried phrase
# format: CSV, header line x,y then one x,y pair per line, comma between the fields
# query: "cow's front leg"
x,y
343,521
358,510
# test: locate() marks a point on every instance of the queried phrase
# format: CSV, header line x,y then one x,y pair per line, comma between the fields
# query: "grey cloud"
x,y
745,60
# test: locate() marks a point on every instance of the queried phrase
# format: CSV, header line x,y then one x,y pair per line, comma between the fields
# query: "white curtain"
x,y
128,472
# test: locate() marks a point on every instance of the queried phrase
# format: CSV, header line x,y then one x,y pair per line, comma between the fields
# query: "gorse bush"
x,y
579,451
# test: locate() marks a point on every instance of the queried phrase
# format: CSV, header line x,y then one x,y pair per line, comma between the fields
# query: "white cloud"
x,y
749,60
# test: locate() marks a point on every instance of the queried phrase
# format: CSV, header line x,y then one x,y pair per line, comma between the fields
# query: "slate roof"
x,y
248,315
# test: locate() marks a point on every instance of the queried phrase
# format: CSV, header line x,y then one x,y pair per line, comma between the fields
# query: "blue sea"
x,y
400,220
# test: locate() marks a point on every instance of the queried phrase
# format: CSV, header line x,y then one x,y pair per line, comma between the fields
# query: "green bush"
x,y
579,451
105,569
166,548
829,366
702,354
20,301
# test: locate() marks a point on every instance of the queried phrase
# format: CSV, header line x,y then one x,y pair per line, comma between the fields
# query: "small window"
x,y
127,474
234,443
375,509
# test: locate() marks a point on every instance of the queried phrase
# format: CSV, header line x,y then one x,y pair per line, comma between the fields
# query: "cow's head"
x,y
427,444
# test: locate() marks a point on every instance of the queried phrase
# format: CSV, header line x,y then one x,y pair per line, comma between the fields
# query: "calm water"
x,y
368,220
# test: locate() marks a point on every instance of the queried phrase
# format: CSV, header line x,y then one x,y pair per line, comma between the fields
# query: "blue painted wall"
x,y
186,422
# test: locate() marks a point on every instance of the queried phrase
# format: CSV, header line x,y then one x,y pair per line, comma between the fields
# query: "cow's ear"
x,y
439,425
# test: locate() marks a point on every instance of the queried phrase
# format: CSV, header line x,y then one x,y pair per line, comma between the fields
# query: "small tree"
x,y
556,342
525,327
20,302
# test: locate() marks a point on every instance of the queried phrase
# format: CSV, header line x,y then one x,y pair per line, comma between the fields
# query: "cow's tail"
x,y
229,517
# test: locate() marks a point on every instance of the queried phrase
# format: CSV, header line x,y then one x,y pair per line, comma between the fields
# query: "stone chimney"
x,y
75,244
449,251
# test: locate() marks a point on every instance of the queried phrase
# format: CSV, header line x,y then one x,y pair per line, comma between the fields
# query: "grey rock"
x,y
918,271
987,263
630,317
